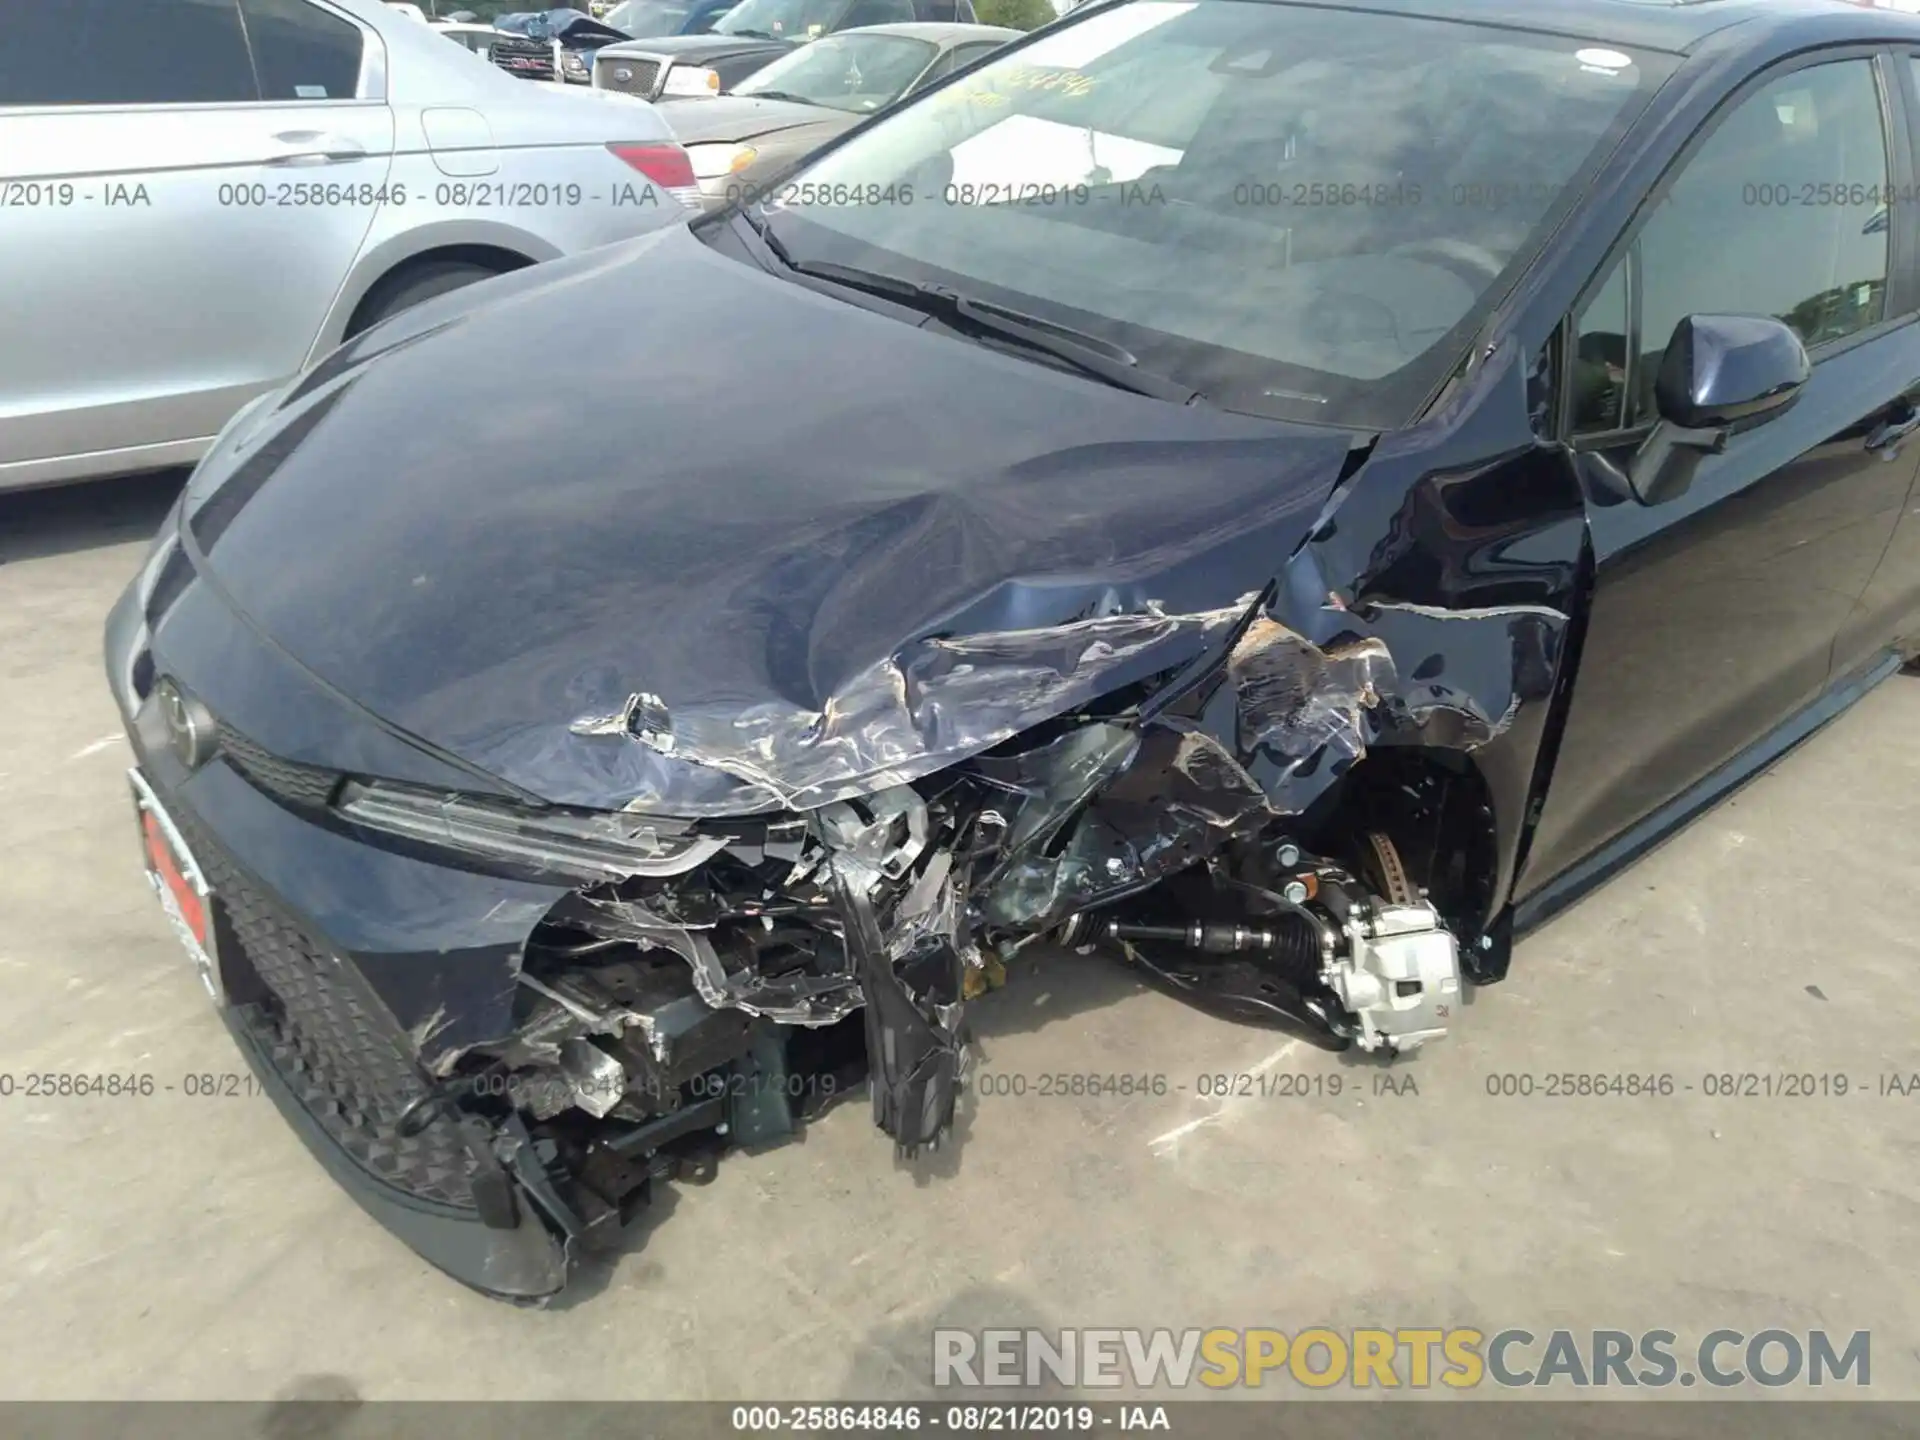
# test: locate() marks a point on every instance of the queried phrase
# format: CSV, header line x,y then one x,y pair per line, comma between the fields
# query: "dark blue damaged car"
x,y
1288,496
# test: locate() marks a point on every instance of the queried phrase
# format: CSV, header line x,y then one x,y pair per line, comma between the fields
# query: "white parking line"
x,y
1168,1143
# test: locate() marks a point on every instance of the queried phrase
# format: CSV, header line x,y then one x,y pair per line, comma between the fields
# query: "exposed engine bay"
x,y
669,1019
757,966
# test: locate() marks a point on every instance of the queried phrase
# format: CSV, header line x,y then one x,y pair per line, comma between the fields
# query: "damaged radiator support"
x,y
673,1016
912,1028
910,972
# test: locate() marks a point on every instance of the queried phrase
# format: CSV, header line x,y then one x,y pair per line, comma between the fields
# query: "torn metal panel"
x,y
913,1021
797,999
1169,748
644,718
1257,716
941,699
1140,772
1287,720
1182,796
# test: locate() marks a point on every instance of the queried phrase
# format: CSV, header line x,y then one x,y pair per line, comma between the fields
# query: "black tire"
x,y
408,288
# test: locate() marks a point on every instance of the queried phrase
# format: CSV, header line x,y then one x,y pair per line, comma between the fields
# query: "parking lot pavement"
x,y
188,1247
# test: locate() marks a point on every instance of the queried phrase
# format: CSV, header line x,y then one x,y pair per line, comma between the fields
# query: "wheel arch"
x,y
1442,811
501,247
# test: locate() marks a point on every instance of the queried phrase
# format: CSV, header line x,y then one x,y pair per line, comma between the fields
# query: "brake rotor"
x,y
1384,869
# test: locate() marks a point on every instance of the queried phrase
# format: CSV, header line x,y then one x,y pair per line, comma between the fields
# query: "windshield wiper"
x,y
767,238
777,95
1089,354
750,34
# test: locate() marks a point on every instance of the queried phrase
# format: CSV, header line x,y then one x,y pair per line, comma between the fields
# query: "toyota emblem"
x,y
192,733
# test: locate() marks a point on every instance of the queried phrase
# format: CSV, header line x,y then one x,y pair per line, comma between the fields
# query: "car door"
x,y
1890,605
1714,614
196,177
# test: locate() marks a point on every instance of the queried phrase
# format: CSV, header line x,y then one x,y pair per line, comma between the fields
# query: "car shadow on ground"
x,y
64,519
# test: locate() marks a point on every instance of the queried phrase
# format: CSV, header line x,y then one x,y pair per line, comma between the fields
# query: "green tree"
x,y
1014,14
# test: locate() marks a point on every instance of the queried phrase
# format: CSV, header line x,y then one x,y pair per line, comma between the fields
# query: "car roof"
x,y
1673,25
939,31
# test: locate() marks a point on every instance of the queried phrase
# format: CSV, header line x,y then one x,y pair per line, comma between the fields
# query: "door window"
x,y
1781,212
1600,358
957,58
940,68
302,51
125,52
877,12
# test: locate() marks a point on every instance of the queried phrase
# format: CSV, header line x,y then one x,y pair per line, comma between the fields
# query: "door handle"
x,y
315,147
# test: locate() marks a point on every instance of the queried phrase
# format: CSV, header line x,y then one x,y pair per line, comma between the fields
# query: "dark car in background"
x,y
751,34
801,20
551,45
648,19
771,119
683,65
1286,496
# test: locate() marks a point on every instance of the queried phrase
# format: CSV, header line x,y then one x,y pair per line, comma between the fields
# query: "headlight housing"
x,y
580,845
717,162
691,80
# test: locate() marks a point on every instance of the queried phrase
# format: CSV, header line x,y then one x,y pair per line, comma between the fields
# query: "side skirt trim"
x,y
1574,882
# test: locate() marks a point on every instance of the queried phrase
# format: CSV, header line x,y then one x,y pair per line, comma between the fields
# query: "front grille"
x,y
331,1039
529,59
288,781
641,75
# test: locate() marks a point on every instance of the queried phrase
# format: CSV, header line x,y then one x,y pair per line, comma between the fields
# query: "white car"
x,y
197,200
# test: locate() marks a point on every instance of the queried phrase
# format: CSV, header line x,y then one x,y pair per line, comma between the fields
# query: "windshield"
x,y
645,19
1297,212
849,71
782,19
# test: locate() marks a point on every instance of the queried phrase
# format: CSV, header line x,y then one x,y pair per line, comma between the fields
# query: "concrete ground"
x,y
175,1247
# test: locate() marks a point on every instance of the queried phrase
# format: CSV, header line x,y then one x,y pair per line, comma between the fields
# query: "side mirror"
x,y
1720,375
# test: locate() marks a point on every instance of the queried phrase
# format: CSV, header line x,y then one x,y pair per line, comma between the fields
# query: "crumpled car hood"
x,y
566,26
652,528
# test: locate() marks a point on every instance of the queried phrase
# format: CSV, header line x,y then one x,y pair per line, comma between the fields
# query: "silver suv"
x,y
200,197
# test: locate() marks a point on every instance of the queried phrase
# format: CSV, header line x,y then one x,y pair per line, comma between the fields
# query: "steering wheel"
x,y
1473,263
